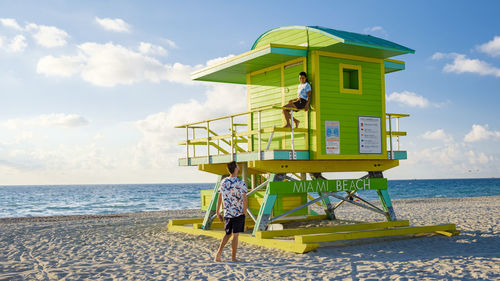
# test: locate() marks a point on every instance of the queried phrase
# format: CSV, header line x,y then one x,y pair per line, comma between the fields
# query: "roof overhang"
x,y
235,69
393,65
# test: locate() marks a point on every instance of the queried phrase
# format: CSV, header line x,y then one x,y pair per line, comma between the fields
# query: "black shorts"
x,y
300,104
234,225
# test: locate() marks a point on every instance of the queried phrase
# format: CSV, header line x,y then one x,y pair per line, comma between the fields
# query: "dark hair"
x,y
231,166
305,75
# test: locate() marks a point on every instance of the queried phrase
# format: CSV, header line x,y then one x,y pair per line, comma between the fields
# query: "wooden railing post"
x,y
292,135
194,146
244,172
397,130
390,136
187,144
260,135
232,139
306,135
208,142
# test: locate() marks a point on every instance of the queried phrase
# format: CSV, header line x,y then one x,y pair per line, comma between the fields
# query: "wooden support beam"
x,y
396,134
316,238
330,229
448,233
286,245
184,221
308,166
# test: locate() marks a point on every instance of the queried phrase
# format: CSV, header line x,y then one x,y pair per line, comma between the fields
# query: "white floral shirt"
x,y
232,190
303,89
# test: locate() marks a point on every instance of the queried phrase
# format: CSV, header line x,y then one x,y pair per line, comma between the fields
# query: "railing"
x,y
241,141
211,139
396,133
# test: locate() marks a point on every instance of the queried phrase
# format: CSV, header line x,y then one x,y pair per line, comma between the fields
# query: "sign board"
x,y
332,136
288,187
370,137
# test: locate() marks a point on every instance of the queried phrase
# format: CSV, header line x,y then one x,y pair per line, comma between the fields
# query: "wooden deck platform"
x,y
303,240
265,155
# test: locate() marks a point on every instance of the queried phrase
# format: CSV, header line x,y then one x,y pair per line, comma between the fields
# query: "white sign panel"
x,y
370,138
332,133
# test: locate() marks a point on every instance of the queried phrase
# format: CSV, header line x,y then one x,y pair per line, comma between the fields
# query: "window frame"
x,y
344,90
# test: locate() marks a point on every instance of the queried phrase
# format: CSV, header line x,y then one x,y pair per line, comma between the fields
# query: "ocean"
x,y
56,200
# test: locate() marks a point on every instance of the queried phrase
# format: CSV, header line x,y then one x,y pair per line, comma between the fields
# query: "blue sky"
x,y
90,91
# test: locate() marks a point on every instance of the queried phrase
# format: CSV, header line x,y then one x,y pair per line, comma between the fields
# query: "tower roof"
x,y
328,39
286,43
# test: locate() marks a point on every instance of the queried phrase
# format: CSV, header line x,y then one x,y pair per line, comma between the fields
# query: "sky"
x,y
90,91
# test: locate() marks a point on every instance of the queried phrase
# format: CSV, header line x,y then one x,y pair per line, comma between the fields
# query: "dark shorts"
x,y
234,225
300,104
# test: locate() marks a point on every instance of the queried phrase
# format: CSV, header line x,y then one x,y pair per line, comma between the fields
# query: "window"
x,y
350,79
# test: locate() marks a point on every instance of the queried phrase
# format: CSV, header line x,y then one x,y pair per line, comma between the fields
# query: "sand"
x,y
138,246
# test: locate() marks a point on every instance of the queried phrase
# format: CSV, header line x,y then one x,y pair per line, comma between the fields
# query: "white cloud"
x,y
47,120
158,146
12,23
20,137
48,36
462,64
439,56
483,159
109,65
170,43
491,48
18,159
150,49
409,99
15,45
63,66
446,154
218,60
376,30
478,158
479,133
117,25
447,159
181,73
437,135
63,159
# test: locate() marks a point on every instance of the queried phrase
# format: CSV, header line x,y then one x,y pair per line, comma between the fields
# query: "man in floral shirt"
x,y
233,195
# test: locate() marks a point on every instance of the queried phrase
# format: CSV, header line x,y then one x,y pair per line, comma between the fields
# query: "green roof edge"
x,y
326,33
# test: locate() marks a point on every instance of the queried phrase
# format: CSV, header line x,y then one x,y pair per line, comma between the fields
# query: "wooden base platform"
x,y
302,240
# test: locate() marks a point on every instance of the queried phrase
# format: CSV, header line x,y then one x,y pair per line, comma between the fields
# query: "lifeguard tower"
x,y
346,129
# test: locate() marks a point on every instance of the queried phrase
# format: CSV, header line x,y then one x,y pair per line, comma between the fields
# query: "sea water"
x,y
54,200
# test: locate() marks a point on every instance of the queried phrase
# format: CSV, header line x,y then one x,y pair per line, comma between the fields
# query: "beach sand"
x,y
138,246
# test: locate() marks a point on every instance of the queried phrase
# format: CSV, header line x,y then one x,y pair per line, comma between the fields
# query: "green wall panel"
x,y
265,90
344,107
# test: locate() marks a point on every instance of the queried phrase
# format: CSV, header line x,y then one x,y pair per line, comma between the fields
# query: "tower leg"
x,y
266,208
329,209
328,206
385,199
212,207
386,203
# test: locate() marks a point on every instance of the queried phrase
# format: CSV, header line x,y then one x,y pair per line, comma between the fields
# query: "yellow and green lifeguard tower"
x,y
346,129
